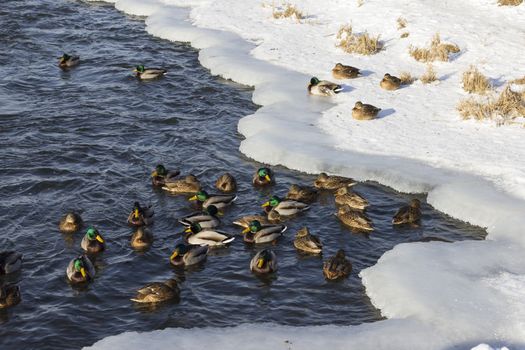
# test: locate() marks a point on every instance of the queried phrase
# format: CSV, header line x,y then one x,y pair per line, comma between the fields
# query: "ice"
x,y
435,295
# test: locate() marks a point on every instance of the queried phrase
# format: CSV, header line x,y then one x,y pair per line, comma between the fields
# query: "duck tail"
x,y
228,240
184,222
338,89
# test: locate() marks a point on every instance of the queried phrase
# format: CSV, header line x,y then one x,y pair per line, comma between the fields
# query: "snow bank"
x,y
435,295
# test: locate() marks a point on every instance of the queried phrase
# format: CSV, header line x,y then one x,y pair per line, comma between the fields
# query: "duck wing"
x,y
402,215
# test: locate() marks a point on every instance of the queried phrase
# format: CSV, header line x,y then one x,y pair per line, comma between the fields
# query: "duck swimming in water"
x,y
264,262
245,221
207,219
157,292
149,73
141,239
323,87
408,214
70,223
80,270
188,254
226,183
306,242
67,61
301,194
93,242
9,296
355,219
210,237
220,201
332,183
263,177
140,216
337,266
10,262
257,233
161,175
187,185
344,196
285,208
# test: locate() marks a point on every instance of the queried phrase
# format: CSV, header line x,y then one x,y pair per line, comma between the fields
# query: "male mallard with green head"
x,y
206,219
80,270
161,175
257,233
206,236
140,216
93,242
220,201
67,61
188,254
264,262
149,73
323,87
285,208
263,177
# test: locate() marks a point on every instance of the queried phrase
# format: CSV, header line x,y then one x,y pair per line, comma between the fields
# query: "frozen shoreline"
x,y
436,295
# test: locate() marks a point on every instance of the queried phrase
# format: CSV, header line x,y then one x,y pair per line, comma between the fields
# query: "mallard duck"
x,y
206,219
189,184
140,216
80,270
301,194
344,196
323,87
285,208
245,221
263,177
92,242
306,242
257,233
67,61
70,223
149,73
220,201
355,219
141,239
264,262
409,214
390,82
212,238
363,111
9,295
10,262
337,266
327,182
157,292
188,254
340,71
226,183
161,175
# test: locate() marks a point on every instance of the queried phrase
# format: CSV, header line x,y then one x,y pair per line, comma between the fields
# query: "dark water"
x,y
87,139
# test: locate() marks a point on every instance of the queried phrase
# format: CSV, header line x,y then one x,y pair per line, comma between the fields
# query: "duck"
x,y
337,266
264,262
141,239
70,223
190,184
408,214
226,183
149,73
93,242
220,201
390,82
80,270
206,219
340,71
200,236
331,183
323,87
306,242
157,292
285,208
140,216
257,233
9,296
188,254
344,196
10,262
263,177
363,111
67,61
161,175
245,221
303,194
355,219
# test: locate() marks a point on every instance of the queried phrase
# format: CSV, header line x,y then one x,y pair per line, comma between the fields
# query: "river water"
x,y
88,138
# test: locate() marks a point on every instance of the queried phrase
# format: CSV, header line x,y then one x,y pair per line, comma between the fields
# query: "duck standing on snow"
x,y
306,242
264,262
190,184
257,233
70,223
80,270
149,73
67,61
226,183
323,87
362,111
9,296
140,216
409,214
331,183
161,175
93,242
390,82
207,219
301,194
337,266
10,262
188,254
220,201
263,177
340,71
157,292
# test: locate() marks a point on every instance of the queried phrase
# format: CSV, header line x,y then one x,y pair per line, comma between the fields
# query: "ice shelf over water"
x,y
435,295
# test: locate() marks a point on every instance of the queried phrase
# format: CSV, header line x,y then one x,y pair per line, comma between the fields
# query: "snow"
x,y
435,295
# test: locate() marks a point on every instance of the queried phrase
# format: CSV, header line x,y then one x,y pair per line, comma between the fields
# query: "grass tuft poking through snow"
x,y
438,51
429,76
362,44
287,11
509,2
507,106
401,23
404,35
360,3
520,81
475,82
406,78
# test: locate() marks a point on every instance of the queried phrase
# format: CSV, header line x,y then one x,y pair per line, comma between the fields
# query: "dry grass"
x,y
287,11
475,82
404,35
406,78
438,51
362,44
401,23
507,106
520,81
360,3
429,76
509,2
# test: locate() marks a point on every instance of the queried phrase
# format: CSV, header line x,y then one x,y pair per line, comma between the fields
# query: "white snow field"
x,y
434,295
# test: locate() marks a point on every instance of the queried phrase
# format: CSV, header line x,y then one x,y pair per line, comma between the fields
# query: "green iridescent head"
x,y
274,201
78,264
195,228
314,81
91,233
140,69
254,226
202,196
161,170
262,172
211,210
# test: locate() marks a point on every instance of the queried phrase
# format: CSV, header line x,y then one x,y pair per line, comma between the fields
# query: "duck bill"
x,y
135,71
194,198
100,239
267,177
154,174
267,204
174,255
83,272
246,230
188,230
260,263
136,213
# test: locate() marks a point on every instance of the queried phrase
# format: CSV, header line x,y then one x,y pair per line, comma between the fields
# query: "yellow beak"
x,y
194,198
153,174
260,263
174,255
100,239
267,177
136,213
135,71
188,229
246,230
267,204
83,272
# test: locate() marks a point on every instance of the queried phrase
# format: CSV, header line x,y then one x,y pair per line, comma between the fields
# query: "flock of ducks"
x,y
201,234
361,111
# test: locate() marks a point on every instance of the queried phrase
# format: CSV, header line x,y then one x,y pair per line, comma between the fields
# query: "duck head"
x,y
180,249
201,196
92,234
264,174
314,81
211,210
160,170
253,227
65,57
273,202
139,69
78,265
264,258
194,228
